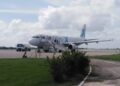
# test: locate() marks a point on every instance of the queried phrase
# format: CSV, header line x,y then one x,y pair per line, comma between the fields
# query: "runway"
x,y
34,54
97,52
31,54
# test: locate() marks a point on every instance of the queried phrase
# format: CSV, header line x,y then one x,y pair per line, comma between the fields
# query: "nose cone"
x,y
31,42
37,42
34,42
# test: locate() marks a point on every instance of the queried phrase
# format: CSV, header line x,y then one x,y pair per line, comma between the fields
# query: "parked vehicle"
x,y
23,47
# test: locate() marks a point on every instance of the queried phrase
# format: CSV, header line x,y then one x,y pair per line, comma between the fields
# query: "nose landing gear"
x,y
25,53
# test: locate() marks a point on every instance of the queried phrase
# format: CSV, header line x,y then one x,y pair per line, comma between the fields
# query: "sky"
x,y
22,19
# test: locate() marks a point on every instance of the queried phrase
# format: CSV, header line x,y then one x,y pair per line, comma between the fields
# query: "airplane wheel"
x,y
60,51
38,50
46,50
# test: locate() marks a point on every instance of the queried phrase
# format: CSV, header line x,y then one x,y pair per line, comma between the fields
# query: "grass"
x,y
26,72
109,57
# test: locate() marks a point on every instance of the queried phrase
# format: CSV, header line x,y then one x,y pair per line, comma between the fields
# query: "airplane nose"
x,y
31,42
34,42
37,42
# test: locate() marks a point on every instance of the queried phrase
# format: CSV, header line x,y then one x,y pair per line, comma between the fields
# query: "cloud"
x,y
63,18
18,31
73,17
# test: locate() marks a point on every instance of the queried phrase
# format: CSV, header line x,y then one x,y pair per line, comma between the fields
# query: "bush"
x,y
68,65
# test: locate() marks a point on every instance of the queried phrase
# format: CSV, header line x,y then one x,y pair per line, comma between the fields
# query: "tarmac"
x,y
30,54
97,52
34,54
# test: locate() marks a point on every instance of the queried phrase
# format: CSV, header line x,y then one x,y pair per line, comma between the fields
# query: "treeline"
x,y
3,47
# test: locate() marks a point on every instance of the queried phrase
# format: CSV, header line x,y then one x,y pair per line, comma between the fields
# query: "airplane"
x,y
59,44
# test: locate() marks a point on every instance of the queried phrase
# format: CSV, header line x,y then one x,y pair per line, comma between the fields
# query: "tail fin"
x,y
83,32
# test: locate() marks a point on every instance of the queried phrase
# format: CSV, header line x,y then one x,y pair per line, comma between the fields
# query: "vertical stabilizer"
x,y
82,36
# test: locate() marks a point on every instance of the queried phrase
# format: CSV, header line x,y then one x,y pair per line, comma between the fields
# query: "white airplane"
x,y
56,43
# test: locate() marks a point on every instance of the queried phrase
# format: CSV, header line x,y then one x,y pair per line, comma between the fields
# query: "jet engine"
x,y
72,46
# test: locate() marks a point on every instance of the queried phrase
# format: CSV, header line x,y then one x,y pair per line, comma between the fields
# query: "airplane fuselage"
x,y
57,42
44,40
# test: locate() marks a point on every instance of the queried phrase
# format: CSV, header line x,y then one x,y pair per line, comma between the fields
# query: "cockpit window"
x,y
36,37
20,45
49,38
43,37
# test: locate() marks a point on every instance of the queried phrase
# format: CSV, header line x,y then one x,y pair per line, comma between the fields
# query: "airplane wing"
x,y
86,42
90,41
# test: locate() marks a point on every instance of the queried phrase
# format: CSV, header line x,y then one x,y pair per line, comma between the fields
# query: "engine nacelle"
x,y
72,47
86,43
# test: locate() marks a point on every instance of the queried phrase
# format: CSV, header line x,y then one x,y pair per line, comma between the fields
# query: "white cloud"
x,y
73,17
63,18
18,31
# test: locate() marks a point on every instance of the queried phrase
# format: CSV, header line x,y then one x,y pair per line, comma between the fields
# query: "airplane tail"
x,y
82,36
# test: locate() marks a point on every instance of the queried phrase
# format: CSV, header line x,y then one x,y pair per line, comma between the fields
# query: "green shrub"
x,y
68,65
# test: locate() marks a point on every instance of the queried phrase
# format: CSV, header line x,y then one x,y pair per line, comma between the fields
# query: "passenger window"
x,y
49,38
56,41
43,37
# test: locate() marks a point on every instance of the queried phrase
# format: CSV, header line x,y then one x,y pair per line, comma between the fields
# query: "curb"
x,y
86,77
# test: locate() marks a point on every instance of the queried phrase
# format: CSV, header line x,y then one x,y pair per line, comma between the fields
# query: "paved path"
x,y
107,73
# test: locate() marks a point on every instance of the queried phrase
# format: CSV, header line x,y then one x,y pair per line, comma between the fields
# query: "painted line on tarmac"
x,y
86,77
